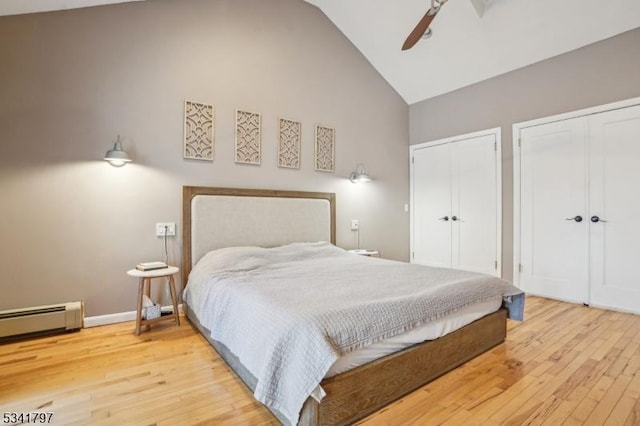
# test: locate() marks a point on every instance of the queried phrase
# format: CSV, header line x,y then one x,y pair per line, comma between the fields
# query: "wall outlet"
x,y
171,229
355,225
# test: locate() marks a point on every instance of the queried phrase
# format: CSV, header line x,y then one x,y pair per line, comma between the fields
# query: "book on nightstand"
x,y
150,266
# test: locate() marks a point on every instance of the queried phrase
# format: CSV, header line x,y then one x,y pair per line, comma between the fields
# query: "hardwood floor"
x,y
566,364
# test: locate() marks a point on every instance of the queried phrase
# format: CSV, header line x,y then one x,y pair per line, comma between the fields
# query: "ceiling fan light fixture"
x,y
427,34
422,31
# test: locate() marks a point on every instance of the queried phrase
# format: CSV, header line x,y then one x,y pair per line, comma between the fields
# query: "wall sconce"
x,y
117,157
360,175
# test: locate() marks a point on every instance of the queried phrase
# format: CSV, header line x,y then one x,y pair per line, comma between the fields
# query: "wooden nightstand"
x,y
364,252
145,277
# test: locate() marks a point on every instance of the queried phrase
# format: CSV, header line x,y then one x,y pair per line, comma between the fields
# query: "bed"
x,y
226,227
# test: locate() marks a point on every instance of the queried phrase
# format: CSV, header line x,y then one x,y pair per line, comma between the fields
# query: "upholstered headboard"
x,y
214,218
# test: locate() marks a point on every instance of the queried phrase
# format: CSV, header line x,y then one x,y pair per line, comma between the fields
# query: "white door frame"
x,y
497,132
517,128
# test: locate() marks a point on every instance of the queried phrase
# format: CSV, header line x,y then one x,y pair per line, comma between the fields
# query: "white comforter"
x,y
289,312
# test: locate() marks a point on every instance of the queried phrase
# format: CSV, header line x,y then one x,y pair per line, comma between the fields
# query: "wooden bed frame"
x,y
356,393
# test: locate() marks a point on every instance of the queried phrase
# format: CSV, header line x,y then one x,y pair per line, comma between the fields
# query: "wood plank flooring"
x,y
566,364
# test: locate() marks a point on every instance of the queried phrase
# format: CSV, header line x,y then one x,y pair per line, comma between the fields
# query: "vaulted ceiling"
x,y
465,47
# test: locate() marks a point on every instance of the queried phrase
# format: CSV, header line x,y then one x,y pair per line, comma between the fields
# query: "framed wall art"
x,y
325,149
248,133
289,139
198,131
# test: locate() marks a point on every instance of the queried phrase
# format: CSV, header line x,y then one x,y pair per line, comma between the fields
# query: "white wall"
x,y
71,81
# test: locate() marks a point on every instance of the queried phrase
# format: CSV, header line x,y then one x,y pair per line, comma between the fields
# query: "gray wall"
x,y
597,74
71,81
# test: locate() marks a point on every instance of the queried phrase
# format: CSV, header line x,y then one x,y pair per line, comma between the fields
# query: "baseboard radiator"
x,y
40,320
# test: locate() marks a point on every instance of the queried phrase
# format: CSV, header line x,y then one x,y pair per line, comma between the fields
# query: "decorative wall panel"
x,y
247,137
325,149
290,134
198,131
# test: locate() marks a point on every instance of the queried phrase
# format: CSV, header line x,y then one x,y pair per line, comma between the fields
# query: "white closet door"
x,y
474,204
431,205
553,189
615,181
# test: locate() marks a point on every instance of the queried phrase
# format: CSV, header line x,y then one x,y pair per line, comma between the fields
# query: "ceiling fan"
x,y
422,29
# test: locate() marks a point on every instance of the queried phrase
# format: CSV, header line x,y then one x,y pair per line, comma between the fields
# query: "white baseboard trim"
x,y
99,320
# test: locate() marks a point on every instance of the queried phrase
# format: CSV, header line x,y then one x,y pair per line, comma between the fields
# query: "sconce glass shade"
x,y
360,175
117,157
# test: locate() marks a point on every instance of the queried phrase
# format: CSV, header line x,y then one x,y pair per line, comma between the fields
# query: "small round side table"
x,y
145,277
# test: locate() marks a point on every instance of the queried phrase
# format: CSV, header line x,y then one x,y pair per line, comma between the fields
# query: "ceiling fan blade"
x,y
420,29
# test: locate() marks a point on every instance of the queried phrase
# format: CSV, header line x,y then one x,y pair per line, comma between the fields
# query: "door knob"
x,y
577,218
454,218
444,218
596,219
